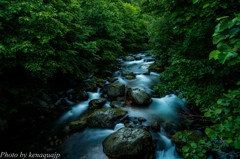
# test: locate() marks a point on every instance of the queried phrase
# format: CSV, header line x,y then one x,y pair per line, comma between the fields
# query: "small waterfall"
x,y
79,108
169,152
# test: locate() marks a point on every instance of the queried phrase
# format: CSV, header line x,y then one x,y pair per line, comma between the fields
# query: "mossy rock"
x,y
139,97
105,117
156,68
77,126
130,77
127,73
129,143
112,79
97,103
115,90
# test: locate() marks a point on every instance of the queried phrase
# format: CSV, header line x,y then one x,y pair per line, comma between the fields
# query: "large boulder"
x,y
139,97
129,143
105,118
97,103
115,90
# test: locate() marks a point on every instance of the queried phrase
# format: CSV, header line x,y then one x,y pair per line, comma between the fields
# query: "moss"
x,y
120,111
76,122
116,85
130,77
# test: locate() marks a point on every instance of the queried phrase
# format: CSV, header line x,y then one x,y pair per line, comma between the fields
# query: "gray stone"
x,y
105,117
127,73
115,90
129,143
97,103
129,58
77,126
139,97
138,57
155,126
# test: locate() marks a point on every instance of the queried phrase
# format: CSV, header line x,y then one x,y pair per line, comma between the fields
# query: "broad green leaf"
x,y
194,145
224,47
195,1
229,55
223,25
207,114
229,140
185,149
214,54
206,5
236,144
217,111
211,133
218,38
224,17
232,23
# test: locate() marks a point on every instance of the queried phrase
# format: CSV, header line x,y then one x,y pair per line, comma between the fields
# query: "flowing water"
x,y
88,143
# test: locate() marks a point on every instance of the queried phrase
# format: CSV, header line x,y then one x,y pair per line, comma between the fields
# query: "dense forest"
x,y
50,45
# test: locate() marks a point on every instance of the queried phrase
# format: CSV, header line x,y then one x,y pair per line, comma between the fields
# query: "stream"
x,y
88,143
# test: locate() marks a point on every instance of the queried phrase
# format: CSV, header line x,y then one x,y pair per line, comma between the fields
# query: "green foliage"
x,y
182,34
44,41
227,39
44,38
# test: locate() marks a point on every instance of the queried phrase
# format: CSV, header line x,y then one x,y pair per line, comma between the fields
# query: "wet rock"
x,y
129,143
148,60
140,119
127,73
130,77
115,90
105,118
97,103
139,97
116,104
156,67
155,126
80,96
129,58
146,73
112,79
98,81
77,126
138,57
